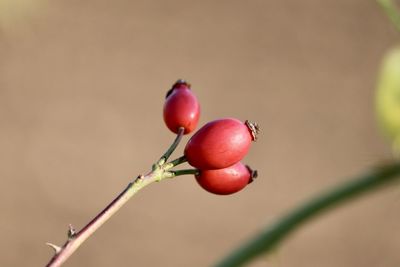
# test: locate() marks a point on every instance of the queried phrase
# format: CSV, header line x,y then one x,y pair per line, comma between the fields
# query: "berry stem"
x,y
184,172
391,11
177,161
172,148
272,235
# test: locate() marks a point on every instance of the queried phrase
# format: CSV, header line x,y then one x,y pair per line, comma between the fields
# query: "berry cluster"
x,y
216,149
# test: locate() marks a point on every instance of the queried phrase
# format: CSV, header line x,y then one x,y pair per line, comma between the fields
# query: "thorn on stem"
x,y
56,248
71,231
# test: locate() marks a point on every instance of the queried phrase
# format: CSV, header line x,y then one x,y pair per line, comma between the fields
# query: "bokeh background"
x,y
82,85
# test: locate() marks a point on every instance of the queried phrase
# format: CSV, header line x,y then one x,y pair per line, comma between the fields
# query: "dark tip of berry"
x,y
177,84
254,129
169,92
253,174
181,82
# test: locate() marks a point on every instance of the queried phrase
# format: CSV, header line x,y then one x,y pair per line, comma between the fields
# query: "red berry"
x,y
226,181
220,143
181,108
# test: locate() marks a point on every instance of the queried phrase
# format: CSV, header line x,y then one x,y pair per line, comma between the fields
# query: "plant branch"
x,y
391,11
159,172
76,239
269,238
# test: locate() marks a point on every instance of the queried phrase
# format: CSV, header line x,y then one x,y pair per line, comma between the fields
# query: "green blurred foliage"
x,y
388,98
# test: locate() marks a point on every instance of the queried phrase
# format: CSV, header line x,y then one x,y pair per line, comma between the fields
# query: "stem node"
x,y
71,232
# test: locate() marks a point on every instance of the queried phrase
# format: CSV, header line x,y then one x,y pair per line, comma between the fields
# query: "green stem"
x,y
391,11
172,148
184,172
176,162
267,240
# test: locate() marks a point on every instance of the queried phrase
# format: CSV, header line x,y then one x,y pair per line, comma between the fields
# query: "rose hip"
x,y
226,181
181,108
220,143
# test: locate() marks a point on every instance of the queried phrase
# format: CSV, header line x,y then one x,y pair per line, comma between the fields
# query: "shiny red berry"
x,y
226,181
220,143
181,108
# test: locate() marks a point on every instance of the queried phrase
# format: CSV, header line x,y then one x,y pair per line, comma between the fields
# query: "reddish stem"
x,y
76,239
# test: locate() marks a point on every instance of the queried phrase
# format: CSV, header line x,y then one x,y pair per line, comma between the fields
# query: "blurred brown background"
x,y
82,85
